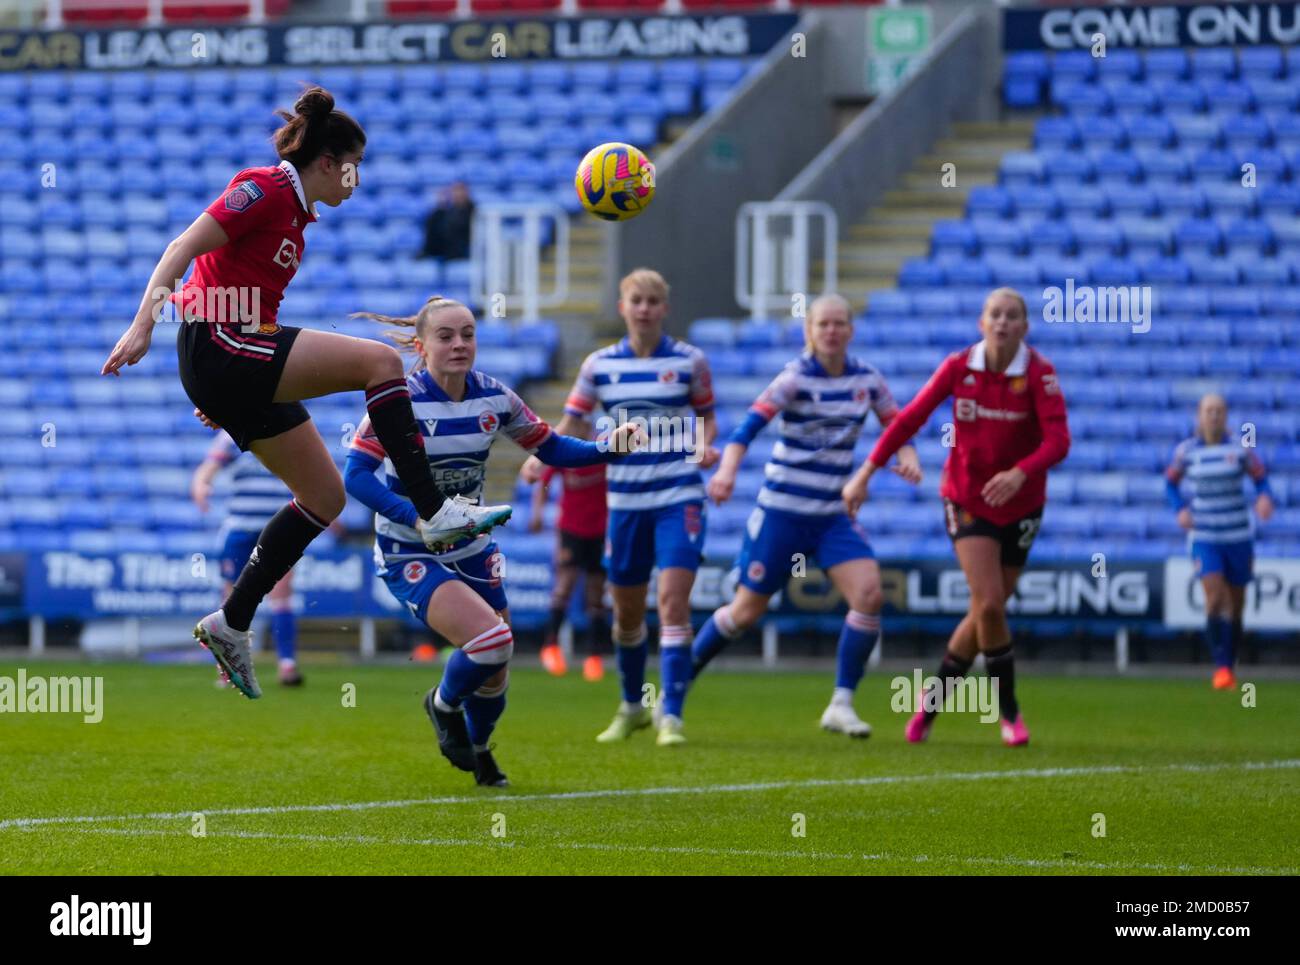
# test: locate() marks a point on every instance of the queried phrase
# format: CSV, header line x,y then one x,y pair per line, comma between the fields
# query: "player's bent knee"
x,y
868,601
495,685
384,362
989,608
496,645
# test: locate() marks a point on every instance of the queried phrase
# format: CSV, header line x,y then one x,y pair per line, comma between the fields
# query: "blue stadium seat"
x,y
1179,98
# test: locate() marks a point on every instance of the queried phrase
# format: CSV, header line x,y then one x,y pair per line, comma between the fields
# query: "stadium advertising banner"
x,y
88,585
1161,25
1272,600
394,43
341,582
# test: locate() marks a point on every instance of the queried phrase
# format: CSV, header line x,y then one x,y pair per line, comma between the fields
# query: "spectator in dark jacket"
x,y
446,229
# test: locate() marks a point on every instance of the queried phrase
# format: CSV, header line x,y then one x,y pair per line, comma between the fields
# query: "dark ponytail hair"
x,y
315,128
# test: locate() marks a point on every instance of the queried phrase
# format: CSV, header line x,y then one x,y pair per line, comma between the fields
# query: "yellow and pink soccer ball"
x,y
615,181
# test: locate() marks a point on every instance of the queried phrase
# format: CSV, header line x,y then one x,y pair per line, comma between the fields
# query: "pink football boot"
x,y
918,728
1015,734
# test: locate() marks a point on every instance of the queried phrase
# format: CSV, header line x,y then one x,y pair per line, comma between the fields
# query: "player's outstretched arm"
x,y
204,235
360,481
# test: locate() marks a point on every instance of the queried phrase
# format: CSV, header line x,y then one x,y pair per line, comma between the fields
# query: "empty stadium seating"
x,y
1135,179
99,171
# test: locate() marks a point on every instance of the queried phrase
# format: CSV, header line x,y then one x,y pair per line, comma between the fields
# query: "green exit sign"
x,y
899,31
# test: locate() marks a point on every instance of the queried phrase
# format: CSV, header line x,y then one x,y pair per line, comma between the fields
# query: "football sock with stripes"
x,y
952,668
1001,665
470,666
281,544
675,666
857,639
391,416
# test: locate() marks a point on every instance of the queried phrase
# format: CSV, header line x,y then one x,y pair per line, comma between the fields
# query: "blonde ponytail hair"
x,y
420,321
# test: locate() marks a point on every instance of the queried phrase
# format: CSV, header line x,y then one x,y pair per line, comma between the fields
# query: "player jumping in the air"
x,y
579,549
257,496
1011,428
824,398
248,374
1218,524
459,592
656,497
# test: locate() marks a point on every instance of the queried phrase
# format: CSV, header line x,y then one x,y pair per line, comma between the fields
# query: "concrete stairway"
x,y
872,251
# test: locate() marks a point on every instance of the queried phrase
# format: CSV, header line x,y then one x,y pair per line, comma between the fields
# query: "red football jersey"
x,y
264,212
582,504
1002,419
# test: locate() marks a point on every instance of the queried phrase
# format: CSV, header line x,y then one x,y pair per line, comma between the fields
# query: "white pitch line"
x,y
1048,772
1009,861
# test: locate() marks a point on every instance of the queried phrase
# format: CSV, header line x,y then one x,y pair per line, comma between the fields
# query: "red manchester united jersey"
x,y
1002,419
582,504
264,212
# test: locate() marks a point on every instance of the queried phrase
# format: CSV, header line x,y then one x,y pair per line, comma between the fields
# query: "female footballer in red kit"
x,y
1010,429
249,375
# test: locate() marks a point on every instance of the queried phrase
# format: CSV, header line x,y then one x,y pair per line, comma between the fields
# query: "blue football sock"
x,y
481,716
674,667
857,640
1218,632
284,630
631,658
718,631
462,677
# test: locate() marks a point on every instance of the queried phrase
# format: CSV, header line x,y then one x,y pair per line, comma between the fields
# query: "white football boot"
x,y
460,518
232,650
842,719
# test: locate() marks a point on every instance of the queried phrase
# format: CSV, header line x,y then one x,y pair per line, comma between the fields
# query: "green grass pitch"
x,y
1187,779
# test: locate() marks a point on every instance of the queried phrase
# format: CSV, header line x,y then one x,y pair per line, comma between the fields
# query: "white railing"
x,y
506,255
774,253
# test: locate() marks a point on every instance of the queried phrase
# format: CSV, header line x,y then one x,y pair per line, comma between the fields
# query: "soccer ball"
x,y
615,181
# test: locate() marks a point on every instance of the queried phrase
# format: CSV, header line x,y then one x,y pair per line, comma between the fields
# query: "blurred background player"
x,y
579,550
256,497
1011,428
656,497
250,375
459,591
1220,534
824,398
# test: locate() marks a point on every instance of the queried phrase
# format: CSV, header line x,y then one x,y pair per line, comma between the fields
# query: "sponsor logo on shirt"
x,y
243,195
287,256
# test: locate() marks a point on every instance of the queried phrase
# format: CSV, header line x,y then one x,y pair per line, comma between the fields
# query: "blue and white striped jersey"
x,y
257,494
457,438
1216,474
821,418
668,388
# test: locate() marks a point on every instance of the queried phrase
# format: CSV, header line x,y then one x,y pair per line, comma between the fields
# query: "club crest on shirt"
x,y
757,570
668,375
414,571
243,195
860,395
1018,384
488,422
